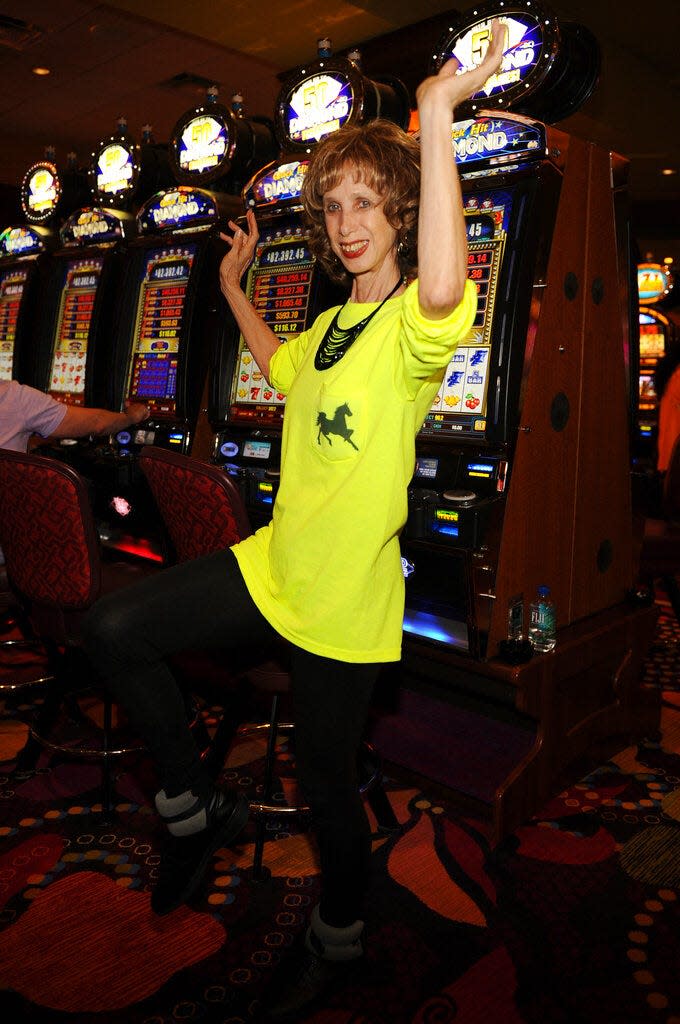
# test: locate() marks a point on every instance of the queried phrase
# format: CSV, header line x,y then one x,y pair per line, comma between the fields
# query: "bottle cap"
x,y
544,591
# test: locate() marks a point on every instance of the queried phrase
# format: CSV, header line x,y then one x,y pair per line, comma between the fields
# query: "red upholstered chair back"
x,y
200,505
47,532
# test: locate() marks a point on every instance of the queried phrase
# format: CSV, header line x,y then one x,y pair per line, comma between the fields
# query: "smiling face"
x,y
359,233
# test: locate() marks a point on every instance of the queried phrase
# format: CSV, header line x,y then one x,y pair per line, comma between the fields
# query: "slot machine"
x,y
78,287
284,283
22,248
523,464
657,339
170,313
78,294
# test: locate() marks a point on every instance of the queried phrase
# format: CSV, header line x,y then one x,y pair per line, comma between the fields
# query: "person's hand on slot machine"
x,y
451,86
137,412
241,251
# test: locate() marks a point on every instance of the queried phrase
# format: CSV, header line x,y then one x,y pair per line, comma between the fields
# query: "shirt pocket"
x,y
338,427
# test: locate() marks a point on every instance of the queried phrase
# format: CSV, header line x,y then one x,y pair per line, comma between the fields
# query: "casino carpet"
x,y
575,918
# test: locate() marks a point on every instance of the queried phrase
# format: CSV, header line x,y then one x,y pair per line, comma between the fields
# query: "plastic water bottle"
x,y
542,622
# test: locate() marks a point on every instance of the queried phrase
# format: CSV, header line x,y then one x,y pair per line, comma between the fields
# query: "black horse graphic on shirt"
x,y
336,425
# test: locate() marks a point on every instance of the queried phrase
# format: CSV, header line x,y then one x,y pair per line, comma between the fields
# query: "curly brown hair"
x,y
388,161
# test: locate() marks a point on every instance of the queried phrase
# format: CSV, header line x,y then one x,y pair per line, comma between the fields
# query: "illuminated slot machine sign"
x,y
331,93
655,282
549,67
202,144
115,170
210,146
69,356
17,245
152,371
320,105
40,192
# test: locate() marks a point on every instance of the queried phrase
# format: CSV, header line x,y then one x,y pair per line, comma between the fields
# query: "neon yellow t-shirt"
x,y
326,571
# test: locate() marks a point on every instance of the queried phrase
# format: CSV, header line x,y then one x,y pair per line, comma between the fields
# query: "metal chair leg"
x,y
107,786
371,786
258,872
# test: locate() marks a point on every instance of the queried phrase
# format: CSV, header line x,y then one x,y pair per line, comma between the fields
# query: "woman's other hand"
x,y
241,251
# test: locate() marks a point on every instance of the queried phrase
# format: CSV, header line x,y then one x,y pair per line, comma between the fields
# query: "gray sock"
x,y
184,814
338,944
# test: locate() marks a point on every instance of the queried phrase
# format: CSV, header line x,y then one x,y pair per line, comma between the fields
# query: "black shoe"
x,y
304,981
185,858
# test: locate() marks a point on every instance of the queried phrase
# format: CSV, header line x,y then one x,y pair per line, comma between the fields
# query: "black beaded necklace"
x,y
337,340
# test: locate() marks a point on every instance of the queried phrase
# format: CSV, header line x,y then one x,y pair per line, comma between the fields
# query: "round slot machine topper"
x,y
114,169
41,192
211,144
332,92
655,282
549,68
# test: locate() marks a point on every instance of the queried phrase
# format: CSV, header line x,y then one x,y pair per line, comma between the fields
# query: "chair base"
x,y
370,785
41,733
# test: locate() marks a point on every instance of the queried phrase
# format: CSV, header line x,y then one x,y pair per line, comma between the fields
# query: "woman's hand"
x,y
241,251
449,88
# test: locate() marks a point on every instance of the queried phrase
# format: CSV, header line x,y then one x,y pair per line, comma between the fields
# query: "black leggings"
x,y
204,604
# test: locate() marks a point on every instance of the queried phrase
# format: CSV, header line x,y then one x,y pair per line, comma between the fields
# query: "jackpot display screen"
x,y
279,286
152,369
69,355
461,404
12,284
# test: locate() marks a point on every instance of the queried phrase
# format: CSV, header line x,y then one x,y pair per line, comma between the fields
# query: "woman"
x,y
326,573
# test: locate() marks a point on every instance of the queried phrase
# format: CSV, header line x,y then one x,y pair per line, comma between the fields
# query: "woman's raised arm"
x,y
442,241
259,338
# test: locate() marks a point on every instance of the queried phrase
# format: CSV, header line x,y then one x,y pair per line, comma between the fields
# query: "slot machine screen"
x,y
652,339
279,286
12,283
647,392
152,369
461,405
69,355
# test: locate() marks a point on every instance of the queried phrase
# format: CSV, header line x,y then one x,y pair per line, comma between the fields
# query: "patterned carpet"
x,y
575,919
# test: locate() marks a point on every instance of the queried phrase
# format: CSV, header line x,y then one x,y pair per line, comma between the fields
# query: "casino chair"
x,y
55,570
203,512
660,551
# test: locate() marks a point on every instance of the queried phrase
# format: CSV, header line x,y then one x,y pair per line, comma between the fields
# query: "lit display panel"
x,y
460,406
69,355
12,284
652,338
279,286
647,394
152,370
318,106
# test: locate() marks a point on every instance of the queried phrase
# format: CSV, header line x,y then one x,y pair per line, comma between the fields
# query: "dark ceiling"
x,y
150,59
